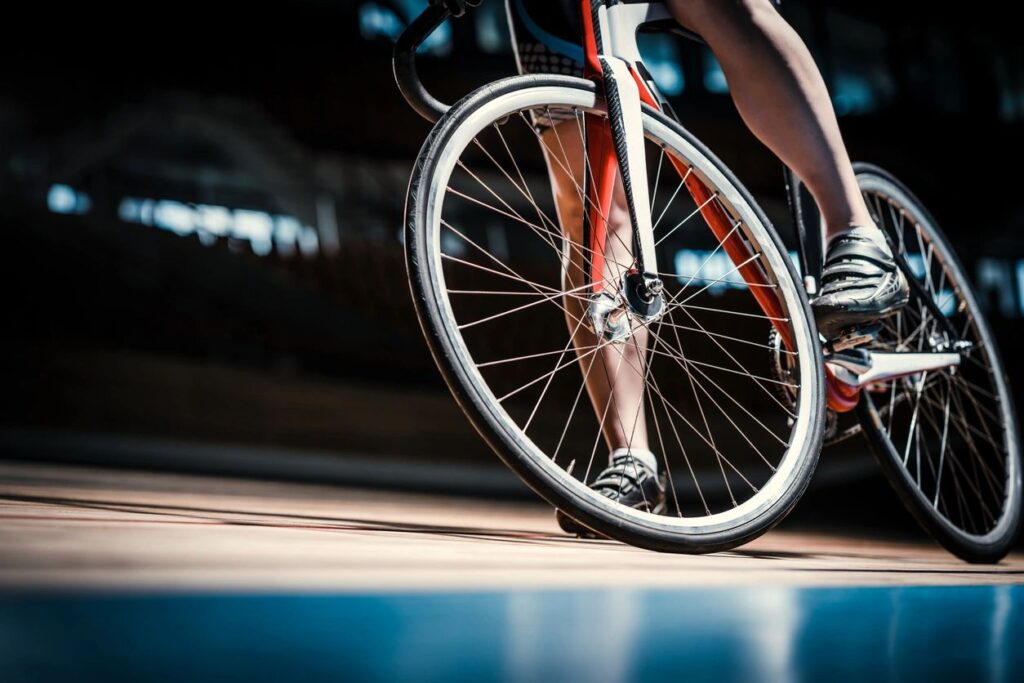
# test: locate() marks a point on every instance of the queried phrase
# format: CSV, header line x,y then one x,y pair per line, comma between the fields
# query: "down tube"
x,y
723,228
599,186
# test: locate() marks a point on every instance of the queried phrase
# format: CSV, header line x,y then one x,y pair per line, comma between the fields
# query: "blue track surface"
x,y
744,634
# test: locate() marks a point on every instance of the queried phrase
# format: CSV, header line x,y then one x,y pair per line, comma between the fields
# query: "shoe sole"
x,y
854,321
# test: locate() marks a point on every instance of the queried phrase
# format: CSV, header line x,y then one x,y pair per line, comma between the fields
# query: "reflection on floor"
x,y
118,576
962,633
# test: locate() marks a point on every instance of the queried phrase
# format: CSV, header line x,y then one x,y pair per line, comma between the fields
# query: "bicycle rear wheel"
x,y
491,273
947,440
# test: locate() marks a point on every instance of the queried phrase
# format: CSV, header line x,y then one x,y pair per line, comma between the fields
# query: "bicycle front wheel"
x,y
494,275
946,439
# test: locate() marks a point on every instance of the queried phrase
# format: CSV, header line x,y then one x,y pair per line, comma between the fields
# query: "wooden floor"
x,y
66,527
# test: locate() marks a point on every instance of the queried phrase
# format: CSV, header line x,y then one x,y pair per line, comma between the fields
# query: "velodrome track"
x,y
114,575
67,527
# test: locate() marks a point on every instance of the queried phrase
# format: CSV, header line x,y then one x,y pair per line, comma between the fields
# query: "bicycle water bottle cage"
x,y
456,7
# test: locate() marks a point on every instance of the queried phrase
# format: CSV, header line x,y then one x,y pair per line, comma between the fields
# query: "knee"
x,y
700,15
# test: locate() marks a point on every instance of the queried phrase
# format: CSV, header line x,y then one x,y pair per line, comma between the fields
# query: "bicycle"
x,y
739,389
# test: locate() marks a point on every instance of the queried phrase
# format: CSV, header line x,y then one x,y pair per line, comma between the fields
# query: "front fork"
x,y
615,148
618,146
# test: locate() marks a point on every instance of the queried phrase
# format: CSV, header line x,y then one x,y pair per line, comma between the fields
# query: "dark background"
x,y
201,207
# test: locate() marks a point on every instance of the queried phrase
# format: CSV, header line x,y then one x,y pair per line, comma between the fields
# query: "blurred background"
x,y
201,208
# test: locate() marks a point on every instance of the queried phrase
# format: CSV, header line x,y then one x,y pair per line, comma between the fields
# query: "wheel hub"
x,y
609,318
643,294
611,315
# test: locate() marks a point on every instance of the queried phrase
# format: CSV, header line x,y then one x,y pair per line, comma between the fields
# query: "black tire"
x,y
511,448
973,544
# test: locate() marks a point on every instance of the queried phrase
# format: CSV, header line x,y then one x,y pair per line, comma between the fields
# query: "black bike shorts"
x,y
546,36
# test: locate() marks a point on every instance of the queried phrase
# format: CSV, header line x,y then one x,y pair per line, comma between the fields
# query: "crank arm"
x,y
860,367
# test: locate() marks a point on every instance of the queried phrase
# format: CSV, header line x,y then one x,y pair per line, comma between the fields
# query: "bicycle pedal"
x,y
854,337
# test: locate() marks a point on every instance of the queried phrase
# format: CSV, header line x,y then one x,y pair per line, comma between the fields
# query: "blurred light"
x,y
262,230
995,284
497,241
713,269
327,225
945,297
61,199
378,21
146,211
215,220
853,95
662,59
1020,287
309,241
492,28
714,77
290,234
65,199
257,228
452,245
859,57
130,210
174,216
286,235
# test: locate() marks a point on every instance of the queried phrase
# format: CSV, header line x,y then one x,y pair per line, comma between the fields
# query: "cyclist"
x,y
781,96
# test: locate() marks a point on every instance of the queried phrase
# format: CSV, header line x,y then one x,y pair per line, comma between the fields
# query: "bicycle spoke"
x,y
547,236
951,438
685,362
661,443
520,320
518,309
685,220
680,186
725,311
719,335
572,411
657,180
942,449
766,390
725,414
604,414
704,418
529,356
547,385
689,424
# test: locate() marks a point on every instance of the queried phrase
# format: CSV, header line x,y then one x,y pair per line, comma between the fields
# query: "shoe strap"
x,y
857,248
853,261
643,455
623,467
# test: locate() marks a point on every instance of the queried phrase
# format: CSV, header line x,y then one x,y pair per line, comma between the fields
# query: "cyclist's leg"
x,y
613,384
782,98
613,374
